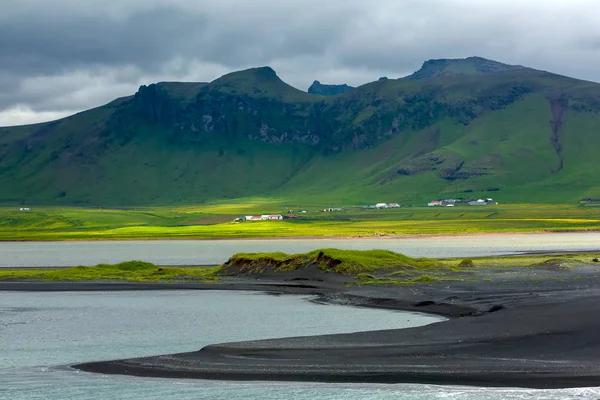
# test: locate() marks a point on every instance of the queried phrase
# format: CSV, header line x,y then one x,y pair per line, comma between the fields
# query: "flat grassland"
x,y
215,221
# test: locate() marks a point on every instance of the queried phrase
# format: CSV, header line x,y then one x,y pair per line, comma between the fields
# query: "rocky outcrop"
x,y
466,66
422,164
486,165
451,167
329,90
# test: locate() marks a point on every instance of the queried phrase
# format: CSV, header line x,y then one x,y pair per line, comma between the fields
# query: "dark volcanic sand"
x,y
536,328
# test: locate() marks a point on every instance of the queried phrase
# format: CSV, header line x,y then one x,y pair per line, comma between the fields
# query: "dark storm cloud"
x,y
41,45
61,56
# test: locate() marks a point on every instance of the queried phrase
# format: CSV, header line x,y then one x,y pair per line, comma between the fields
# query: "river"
x,y
212,252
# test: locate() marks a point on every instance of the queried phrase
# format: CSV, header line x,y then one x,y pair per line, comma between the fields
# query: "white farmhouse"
x,y
271,217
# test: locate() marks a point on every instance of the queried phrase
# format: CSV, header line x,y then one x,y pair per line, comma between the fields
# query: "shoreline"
x,y
309,237
322,295
533,328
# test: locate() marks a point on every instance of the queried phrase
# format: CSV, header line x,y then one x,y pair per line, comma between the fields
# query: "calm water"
x,y
41,333
198,252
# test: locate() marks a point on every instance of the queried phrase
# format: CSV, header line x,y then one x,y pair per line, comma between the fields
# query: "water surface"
x,y
212,252
41,333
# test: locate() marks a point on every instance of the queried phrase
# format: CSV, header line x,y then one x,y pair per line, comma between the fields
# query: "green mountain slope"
x,y
456,128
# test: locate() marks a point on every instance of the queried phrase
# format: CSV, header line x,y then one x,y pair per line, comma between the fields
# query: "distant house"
x,y
434,203
393,205
25,209
590,201
271,217
381,205
252,218
482,202
479,202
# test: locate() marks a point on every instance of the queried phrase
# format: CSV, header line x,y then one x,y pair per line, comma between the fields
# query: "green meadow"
x,y
133,271
215,221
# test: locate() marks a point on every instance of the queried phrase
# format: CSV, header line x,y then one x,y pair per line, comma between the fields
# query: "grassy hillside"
x,y
455,128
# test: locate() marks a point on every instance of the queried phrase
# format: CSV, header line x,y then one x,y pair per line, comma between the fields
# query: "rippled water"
x,y
198,252
41,333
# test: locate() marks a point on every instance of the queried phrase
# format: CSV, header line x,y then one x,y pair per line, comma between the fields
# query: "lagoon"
x,y
213,252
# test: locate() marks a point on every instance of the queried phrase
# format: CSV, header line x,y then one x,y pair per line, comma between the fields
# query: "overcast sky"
x,y
58,57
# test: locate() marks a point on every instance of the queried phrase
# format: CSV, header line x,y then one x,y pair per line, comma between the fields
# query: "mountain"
x,y
455,128
329,90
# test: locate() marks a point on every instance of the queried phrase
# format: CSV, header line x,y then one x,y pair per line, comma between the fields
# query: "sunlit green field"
x,y
216,221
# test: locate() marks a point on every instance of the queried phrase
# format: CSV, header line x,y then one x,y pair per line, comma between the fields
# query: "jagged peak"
x,y
462,66
328,90
257,73
259,81
182,90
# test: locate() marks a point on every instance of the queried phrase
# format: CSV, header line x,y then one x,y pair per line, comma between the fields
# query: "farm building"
x,y
434,203
271,217
264,217
482,202
393,205
381,205
479,202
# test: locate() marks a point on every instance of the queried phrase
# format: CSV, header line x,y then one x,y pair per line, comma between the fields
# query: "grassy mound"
x,y
138,271
345,262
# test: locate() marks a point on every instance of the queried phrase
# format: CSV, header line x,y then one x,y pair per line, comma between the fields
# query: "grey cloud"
x,y
44,46
71,55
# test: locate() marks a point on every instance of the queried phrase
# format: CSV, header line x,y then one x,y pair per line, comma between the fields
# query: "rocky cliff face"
x,y
257,105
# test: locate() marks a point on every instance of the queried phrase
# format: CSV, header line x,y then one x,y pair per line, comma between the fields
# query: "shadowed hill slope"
x,y
456,128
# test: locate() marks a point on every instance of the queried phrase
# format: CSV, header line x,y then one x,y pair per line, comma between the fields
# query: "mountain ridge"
x,y
454,126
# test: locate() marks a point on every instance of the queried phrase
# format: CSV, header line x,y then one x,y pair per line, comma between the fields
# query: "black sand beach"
x,y
533,327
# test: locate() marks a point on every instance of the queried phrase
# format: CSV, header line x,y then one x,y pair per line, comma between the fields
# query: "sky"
x,y
59,57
